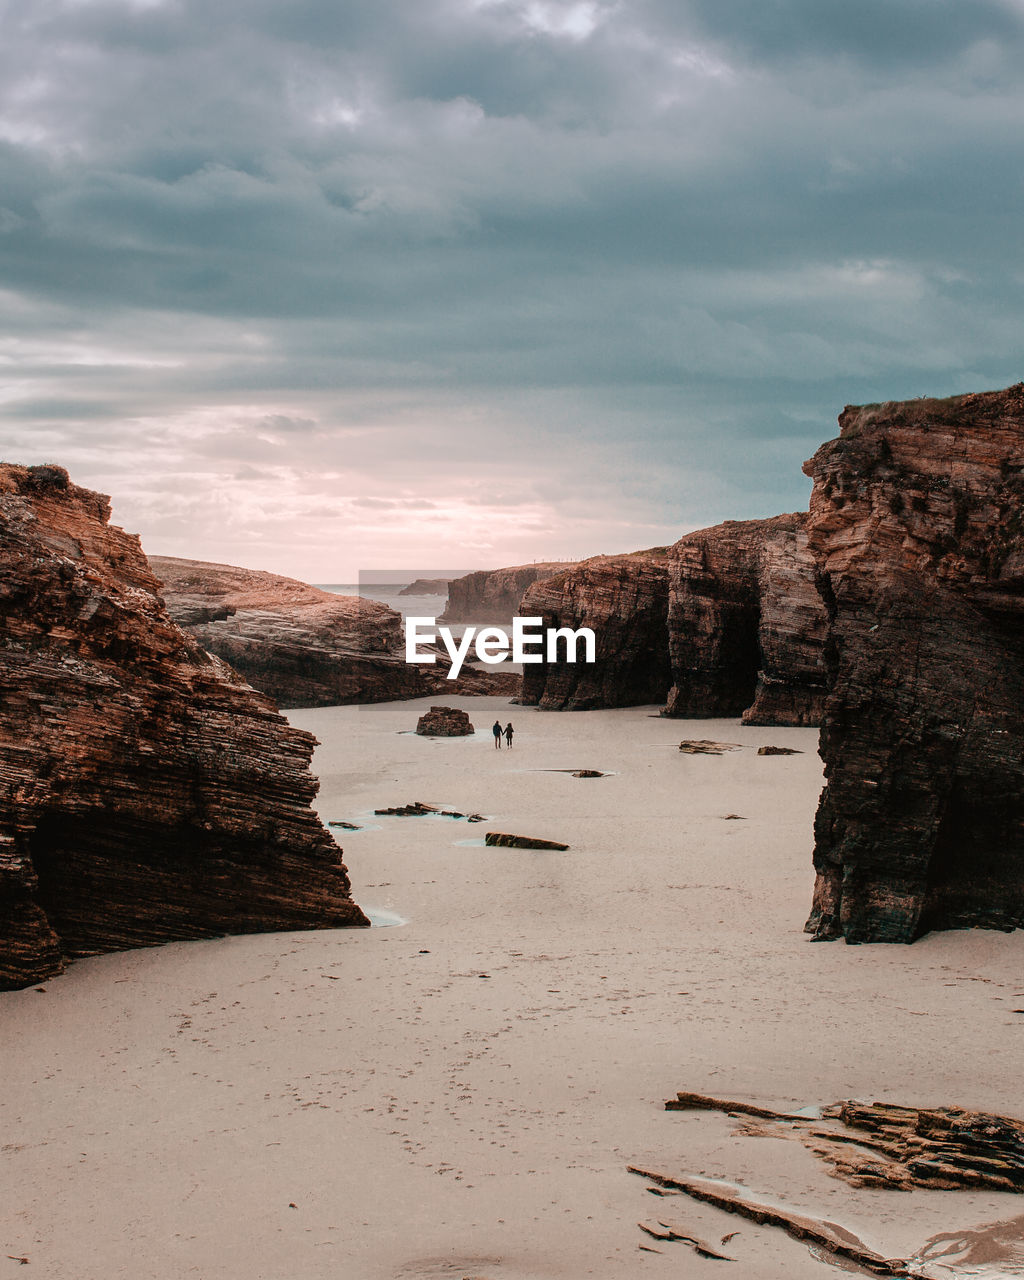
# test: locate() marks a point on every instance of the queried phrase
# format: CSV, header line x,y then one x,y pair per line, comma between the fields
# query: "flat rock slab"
x,y
778,751
704,747
882,1145
500,839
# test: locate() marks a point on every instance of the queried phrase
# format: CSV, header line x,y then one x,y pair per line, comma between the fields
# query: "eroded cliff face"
x,y
624,599
746,624
146,793
303,646
726,621
493,595
916,520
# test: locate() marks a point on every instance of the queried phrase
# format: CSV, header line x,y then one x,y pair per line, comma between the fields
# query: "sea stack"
x,y
147,793
725,622
916,523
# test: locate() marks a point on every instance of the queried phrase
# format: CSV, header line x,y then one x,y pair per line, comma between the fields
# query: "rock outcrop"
x,y
493,595
303,646
501,840
426,587
146,793
624,599
726,621
444,722
916,521
746,624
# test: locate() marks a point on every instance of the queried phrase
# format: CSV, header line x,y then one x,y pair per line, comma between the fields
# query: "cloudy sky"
x,y
327,285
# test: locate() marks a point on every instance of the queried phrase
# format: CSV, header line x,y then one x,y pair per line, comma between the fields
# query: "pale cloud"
x,y
472,272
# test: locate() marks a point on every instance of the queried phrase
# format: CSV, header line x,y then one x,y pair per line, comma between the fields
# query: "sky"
x,y
327,286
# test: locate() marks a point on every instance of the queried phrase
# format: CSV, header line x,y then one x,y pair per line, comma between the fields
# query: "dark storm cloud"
x,y
460,237
881,34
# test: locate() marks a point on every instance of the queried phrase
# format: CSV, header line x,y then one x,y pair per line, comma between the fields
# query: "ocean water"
x,y
388,593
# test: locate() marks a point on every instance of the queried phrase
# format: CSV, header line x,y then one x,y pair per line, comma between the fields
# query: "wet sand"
x,y
460,1096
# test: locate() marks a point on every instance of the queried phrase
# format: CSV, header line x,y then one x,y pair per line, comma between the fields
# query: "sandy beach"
x,y
460,1095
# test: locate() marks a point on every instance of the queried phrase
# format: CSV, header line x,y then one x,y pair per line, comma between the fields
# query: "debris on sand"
x,y
882,1145
664,1231
835,1239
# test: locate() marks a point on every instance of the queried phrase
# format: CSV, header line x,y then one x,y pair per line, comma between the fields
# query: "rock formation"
x,y
916,522
493,595
746,625
444,722
624,599
501,840
146,793
303,646
725,622
427,587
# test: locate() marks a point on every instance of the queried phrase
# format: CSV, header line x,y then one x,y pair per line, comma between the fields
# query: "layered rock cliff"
x,y
917,521
746,625
624,600
725,621
493,595
303,646
146,793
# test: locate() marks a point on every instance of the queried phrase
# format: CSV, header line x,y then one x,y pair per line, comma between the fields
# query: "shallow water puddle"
x,y
380,919
991,1251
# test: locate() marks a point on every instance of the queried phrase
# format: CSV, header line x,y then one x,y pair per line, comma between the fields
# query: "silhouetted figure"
x,y
508,734
496,730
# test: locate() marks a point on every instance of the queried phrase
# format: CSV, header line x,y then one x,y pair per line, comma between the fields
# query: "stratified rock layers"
x,y
146,793
916,520
727,621
493,595
303,646
746,624
625,601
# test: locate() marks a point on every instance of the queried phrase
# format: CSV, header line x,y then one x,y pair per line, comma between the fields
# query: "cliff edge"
x,y
917,524
146,792
301,645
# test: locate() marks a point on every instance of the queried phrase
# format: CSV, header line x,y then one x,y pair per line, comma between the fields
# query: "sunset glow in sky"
x,y
323,285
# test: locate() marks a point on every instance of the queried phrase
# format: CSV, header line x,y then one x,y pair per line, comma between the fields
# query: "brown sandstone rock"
x,y
426,587
502,840
146,793
493,595
916,521
624,599
726,621
444,722
746,624
303,646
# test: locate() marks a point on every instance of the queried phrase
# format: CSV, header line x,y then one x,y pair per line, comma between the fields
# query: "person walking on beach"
x,y
496,730
508,734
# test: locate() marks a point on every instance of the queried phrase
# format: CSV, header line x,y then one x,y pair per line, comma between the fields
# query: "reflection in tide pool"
x,y
994,1251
